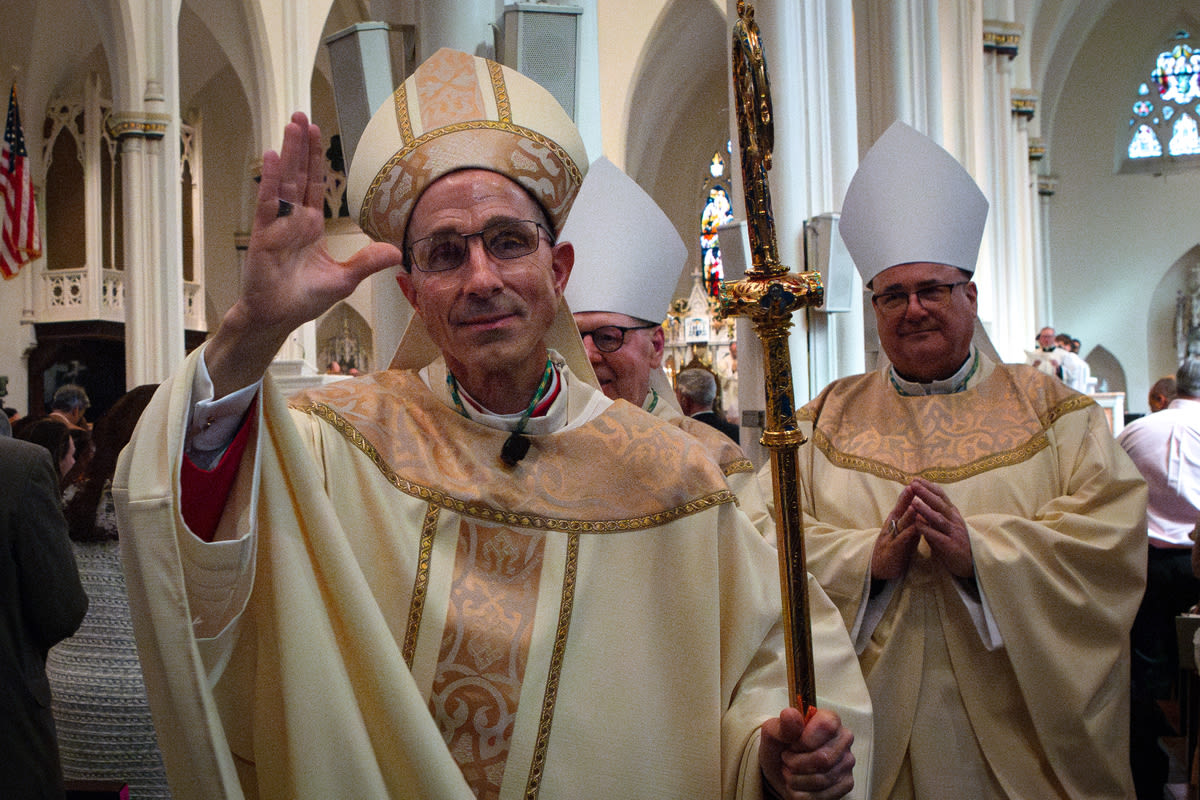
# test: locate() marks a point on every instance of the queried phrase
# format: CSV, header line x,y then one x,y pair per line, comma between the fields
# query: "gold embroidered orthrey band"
x,y
503,108
416,607
538,765
563,157
500,516
739,466
935,474
403,120
1007,458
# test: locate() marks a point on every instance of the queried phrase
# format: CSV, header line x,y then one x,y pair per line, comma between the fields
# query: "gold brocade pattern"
x,y
422,446
742,465
420,583
1001,421
485,645
530,158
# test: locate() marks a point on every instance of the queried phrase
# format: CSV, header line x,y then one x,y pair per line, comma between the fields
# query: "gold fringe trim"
x,y
538,764
495,515
1008,458
554,147
416,608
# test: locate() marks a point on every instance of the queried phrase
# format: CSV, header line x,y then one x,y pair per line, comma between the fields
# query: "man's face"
x,y
1045,338
489,316
926,342
624,373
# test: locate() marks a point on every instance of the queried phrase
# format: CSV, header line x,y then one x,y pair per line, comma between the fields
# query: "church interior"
x,y
145,122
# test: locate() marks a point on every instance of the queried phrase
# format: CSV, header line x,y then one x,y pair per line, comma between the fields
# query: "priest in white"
x,y
628,261
975,523
470,575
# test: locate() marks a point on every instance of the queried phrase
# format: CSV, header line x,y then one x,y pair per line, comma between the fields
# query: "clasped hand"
x,y
807,760
923,511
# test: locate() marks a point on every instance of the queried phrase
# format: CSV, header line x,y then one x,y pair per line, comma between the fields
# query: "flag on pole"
x,y
19,239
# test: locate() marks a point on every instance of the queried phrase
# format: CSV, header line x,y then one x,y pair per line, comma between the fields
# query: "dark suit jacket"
x,y
725,427
41,603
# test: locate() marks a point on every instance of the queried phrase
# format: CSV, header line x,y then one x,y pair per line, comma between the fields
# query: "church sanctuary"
x,y
135,135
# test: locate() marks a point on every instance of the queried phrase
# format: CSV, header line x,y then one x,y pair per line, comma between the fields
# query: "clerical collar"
x,y
541,409
952,385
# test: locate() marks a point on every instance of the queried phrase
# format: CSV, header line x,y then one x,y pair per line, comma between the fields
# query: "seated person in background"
x,y
54,435
471,575
69,404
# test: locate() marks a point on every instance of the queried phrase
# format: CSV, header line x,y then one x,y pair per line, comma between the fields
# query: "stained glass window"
x,y
1185,140
1171,119
716,212
1145,144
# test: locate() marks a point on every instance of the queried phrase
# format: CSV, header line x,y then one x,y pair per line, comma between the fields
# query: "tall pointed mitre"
x,y
911,201
455,112
628,254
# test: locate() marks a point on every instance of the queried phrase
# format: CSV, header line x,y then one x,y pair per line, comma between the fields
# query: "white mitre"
x,y
911,201
628,255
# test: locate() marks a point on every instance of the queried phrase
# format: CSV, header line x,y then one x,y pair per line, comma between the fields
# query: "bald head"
x,y
1162,393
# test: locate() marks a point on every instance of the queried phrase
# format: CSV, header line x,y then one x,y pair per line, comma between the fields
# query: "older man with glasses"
x,y
470,575
628,261
976,524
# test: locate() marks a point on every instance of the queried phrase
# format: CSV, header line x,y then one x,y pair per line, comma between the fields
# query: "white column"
x,y
154,303
464,25
809,50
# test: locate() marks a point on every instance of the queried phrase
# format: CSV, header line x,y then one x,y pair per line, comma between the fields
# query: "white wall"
x,y
1113,238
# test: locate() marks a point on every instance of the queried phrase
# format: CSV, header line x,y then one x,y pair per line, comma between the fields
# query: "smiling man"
x,y
628,260
469,575
975,523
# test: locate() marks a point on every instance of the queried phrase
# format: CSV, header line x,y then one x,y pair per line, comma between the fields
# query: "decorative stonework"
x,y
141,126
1002,38
1024,102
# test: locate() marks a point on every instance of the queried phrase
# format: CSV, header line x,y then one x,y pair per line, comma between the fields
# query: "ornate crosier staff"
x,y
767,297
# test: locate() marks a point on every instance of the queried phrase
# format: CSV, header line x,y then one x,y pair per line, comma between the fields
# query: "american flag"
x,y
19,239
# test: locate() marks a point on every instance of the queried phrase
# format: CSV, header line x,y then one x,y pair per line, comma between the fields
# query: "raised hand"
x,y
288,277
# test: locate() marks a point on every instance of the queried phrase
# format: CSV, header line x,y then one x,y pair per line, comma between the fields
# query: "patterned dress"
x,y
100,708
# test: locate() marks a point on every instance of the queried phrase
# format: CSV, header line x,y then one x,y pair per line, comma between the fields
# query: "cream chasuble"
x,y
1056,517
739,471
391,612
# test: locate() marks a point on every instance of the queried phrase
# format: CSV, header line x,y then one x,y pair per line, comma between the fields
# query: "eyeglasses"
x,y
928,296
609,338
505,240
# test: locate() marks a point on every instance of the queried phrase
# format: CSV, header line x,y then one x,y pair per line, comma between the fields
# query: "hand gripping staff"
x,y
767,296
